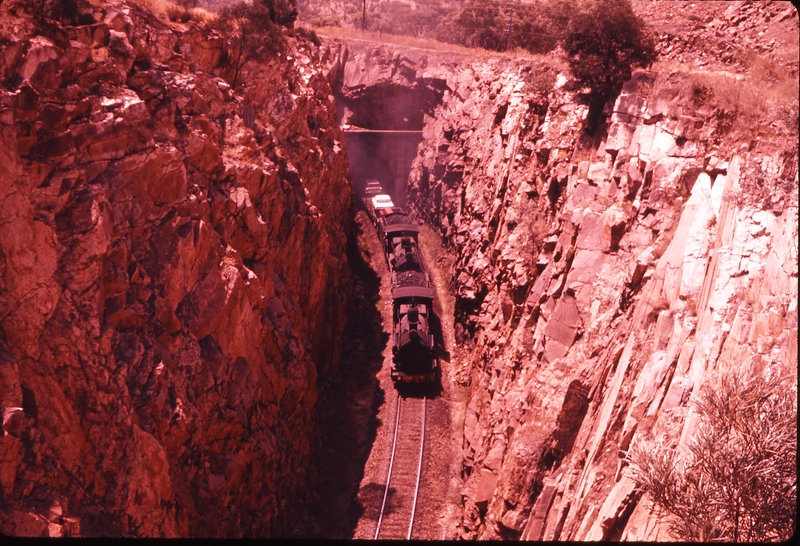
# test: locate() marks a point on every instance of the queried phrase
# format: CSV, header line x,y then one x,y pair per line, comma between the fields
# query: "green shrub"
x,y
282,12
308,34
738,482
537,28
479,24
449,31
540,27
326,21
252,32
400,18
603,43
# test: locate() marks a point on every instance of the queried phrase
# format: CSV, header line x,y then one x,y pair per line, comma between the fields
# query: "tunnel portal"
x,y
382,100
384,156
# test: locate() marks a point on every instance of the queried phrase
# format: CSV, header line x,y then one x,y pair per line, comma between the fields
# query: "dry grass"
x,y
775,84
345,33
764,93
170,11
202,15
157,7
753,100
668,67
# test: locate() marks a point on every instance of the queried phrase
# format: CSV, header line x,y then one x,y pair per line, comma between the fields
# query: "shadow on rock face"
x,y
348,408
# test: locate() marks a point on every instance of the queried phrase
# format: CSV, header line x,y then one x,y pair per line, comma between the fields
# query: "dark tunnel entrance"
x,y
383,98
384,156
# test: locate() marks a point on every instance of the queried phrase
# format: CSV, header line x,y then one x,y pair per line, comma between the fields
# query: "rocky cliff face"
x,y
379,88
603,279
172,268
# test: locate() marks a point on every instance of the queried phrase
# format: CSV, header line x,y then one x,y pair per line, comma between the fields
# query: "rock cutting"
x,y
264,276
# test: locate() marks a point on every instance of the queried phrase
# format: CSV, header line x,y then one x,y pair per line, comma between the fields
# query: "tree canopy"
x,y
604,42
253,29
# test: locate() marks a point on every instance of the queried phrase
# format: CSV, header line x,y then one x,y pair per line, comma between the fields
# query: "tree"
x,y
479,24
602,44
539,27
281,12
399,18
739,481
251,32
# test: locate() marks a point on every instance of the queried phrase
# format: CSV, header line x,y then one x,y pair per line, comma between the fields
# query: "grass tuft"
x,y
172,11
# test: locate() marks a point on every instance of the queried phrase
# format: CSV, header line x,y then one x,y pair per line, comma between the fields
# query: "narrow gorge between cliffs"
x,y
564,247
196,309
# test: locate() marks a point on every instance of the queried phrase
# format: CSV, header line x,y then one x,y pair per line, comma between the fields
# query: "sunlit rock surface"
x,y
600,280
378,87
172,279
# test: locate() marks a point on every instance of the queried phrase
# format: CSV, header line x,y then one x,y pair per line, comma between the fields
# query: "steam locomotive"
x,y
413,348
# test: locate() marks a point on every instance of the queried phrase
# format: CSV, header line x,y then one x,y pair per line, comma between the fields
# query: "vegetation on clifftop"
x,y
494,24
253,30
603,44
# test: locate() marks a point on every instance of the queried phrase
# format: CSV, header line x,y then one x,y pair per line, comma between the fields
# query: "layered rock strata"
x,y
601,280
172,278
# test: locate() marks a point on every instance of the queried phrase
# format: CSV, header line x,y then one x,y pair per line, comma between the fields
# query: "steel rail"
x,y
419,469
379,131
391,463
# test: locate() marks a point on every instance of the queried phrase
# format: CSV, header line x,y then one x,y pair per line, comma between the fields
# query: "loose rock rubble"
x,y
723,36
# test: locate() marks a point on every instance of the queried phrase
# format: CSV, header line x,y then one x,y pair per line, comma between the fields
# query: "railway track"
x,y
396,520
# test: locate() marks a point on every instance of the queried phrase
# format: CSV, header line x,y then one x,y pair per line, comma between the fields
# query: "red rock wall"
x,y
172,282
601,280
380,87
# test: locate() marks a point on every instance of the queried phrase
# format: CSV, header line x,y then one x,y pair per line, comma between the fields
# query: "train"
x,y
414,358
